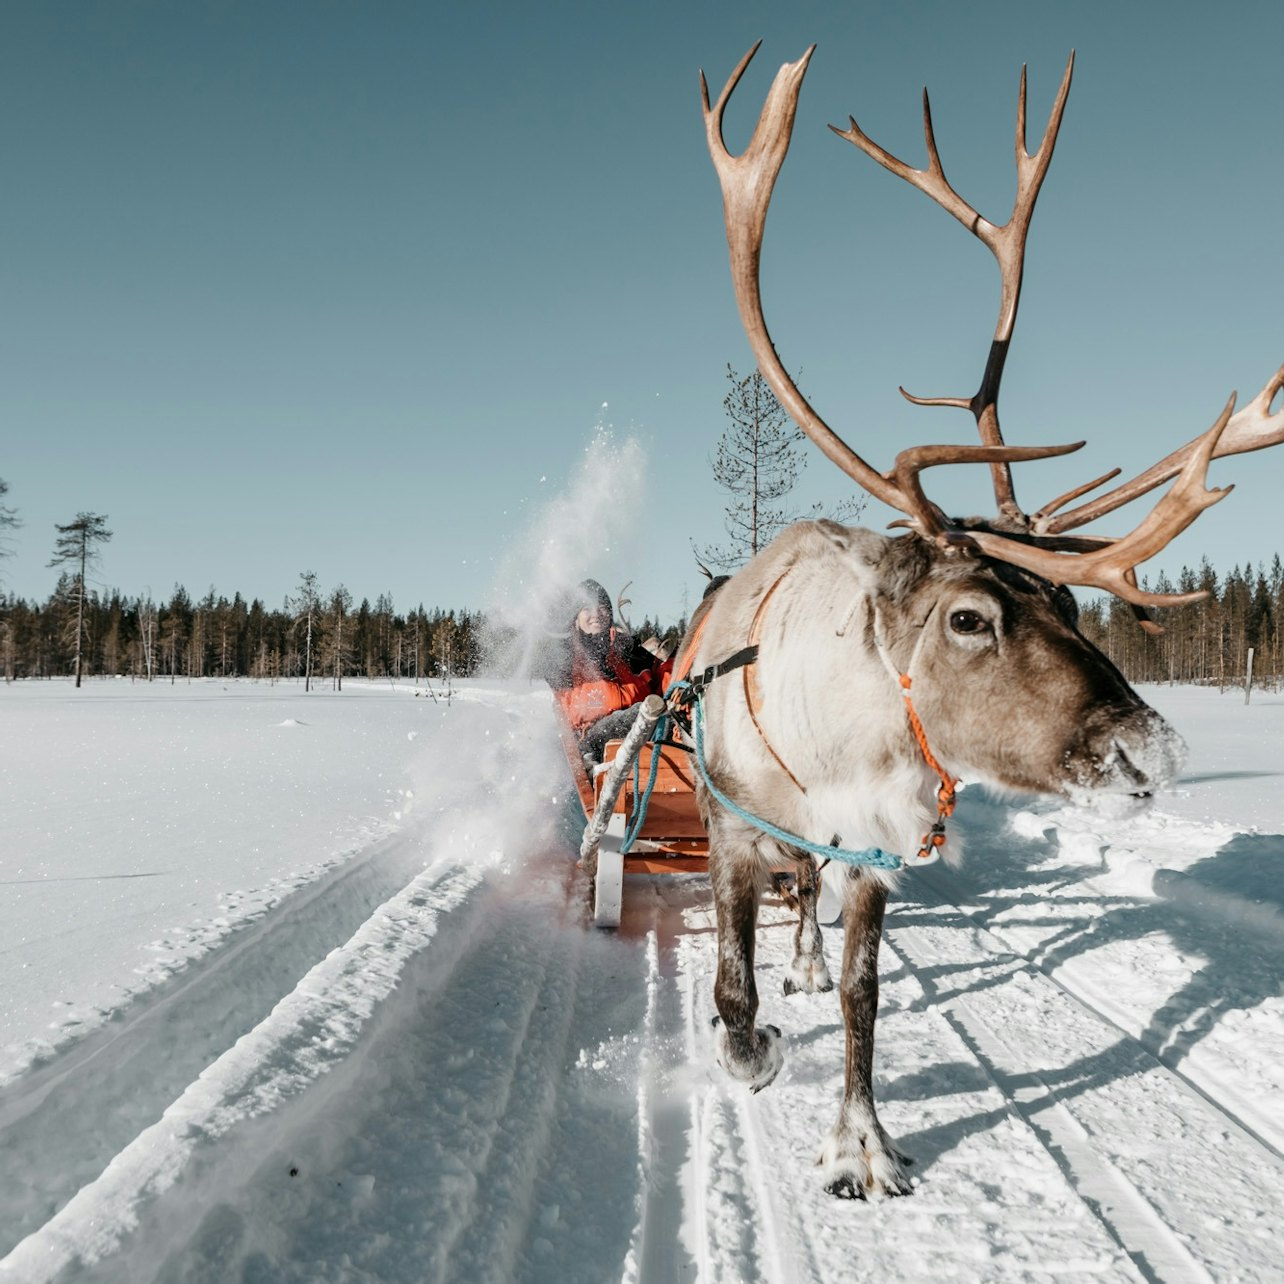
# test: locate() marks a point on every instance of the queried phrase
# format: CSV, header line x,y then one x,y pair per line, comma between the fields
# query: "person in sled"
x,y
602,675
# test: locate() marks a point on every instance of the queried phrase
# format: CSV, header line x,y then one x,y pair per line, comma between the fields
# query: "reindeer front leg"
x,y
858,1158
808,972
747,1053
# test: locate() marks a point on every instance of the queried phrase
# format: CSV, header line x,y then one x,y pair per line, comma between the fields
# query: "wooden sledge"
x,y
672,838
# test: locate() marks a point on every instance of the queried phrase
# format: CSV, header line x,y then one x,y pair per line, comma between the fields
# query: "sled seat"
x,y
672,820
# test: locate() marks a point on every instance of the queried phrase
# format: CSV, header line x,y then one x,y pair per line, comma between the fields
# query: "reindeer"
x,y
849,678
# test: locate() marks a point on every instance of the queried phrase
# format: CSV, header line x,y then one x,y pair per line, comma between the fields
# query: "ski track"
x,y
426,1066
120,1078
311,1028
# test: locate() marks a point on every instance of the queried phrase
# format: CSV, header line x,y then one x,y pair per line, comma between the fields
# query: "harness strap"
x,y
742,659
945,794
872,856
753,692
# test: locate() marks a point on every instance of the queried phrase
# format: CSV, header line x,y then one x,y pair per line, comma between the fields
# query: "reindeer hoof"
x,y
855,1184
844,1188
755,1061
861,1168
807,976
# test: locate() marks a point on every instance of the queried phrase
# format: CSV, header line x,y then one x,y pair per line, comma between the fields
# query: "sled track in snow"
x,y
102,1091
448,1079
439,1149
1021,1102
1141,1143
1223,1098
410,1109
226,1040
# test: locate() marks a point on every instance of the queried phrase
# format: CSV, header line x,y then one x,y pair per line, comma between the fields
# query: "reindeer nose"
x,y
1145,754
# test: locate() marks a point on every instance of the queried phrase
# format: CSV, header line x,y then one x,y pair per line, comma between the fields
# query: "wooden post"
x,y
1248,677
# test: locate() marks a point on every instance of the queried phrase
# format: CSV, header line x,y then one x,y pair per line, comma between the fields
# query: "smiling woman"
x,y
598,672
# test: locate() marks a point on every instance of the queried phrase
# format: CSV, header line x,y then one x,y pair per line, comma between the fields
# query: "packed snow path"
x,y
423,1065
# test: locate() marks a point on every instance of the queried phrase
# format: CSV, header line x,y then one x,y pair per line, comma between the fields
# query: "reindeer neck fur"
x,y
824,699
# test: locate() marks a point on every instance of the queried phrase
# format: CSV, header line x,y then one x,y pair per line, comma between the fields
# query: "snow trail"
x,y
424,1065
119,1079
305,1034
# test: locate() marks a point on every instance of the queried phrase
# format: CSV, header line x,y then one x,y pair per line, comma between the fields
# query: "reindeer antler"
x,y
747,182
1006,243
1251,428
1040,544
621,601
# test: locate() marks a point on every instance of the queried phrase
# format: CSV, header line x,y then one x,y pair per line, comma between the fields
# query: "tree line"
x,y
79,631
1203,642
314,636
318,636
321,636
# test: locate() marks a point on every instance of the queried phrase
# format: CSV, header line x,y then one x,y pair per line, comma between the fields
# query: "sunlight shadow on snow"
x,y
1185,960
1213,776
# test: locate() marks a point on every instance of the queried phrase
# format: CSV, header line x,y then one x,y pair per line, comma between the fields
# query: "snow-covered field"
x,y
299,988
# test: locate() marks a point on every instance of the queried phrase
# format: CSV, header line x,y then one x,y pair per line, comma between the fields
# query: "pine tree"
x,y
758,464
77,545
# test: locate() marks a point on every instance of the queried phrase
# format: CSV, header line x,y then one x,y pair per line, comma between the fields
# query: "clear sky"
x,y
352,287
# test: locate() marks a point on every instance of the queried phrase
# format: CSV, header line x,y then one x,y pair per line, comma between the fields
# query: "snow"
x,y
301,987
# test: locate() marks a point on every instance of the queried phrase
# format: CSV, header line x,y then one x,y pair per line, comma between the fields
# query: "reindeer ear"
x,y
854,542
905,561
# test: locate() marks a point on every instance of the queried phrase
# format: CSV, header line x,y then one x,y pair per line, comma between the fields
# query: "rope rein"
x,y
873,856
644,795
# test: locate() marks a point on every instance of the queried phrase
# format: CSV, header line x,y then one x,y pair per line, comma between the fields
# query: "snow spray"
x,y
578,534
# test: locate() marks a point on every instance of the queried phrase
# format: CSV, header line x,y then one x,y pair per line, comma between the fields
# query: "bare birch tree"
x,y
340,605
306,605
147,634
8,521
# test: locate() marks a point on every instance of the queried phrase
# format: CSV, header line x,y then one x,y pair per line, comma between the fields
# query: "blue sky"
x,y
351,287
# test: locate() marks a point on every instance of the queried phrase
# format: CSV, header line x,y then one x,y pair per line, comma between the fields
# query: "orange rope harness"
x,y
935,837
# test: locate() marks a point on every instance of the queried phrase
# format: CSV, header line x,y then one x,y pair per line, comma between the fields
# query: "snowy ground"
x,y
298,988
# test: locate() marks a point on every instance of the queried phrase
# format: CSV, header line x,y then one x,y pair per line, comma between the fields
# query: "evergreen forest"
x,y
1204,642
327,638
324,637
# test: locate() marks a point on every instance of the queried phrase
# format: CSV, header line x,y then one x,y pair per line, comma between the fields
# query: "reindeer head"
x,y
1012,694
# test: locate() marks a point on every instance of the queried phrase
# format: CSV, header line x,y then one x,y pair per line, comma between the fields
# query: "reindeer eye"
x,y
967,622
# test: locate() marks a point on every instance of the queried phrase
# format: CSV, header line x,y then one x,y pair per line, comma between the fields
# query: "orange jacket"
x,y
592,696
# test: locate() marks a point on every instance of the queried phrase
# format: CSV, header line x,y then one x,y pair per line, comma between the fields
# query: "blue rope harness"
x,y
644,795
869,856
